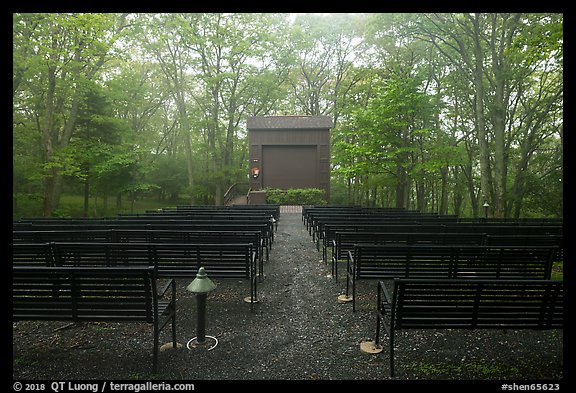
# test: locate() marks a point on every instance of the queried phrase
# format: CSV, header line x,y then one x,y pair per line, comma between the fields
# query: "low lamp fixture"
x,y
201,286
486,206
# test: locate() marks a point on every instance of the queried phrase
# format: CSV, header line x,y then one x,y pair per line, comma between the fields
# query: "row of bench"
x,y
330,231
253,236
310,212
270,208
344,242
108,269
469,274
169,260
336,229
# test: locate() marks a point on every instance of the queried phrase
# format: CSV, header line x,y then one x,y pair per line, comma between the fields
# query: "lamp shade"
x,y
201,284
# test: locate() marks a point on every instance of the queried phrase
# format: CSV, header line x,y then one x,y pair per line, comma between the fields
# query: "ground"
x,y
297,331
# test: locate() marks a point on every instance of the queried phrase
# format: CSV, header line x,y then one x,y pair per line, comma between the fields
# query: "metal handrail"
x,y
232,192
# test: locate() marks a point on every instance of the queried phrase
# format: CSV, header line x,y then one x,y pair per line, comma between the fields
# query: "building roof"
x,y
289,122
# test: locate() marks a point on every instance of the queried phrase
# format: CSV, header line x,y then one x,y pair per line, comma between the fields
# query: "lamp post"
x,y
486,206
201,286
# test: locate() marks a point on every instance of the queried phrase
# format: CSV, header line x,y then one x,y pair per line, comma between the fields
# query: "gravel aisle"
x,y
298,331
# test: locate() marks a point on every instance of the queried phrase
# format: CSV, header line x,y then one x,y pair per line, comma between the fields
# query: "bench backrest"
x,y
530,239
100,229
504,229
31,254
451,261
121,235
140,235
345,241
83,294
473,304
236,260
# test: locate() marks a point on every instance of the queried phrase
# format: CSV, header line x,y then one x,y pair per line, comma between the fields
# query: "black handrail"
x,y
232,192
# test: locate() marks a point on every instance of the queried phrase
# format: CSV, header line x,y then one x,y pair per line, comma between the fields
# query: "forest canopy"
x,y
435,112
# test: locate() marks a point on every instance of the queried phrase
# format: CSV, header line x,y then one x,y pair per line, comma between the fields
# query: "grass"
x,y
18,361
73,206
557,271
480,368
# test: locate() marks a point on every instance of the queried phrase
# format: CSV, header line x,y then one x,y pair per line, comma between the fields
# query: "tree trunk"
x,y
48,142
86,196
400,186
479,96
443,209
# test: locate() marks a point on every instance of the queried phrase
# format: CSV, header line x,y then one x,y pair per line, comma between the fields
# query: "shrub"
x,y
295,196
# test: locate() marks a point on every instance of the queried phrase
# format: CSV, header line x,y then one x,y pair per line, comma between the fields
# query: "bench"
x,y
31,254
170,260
508,228
532,240
435,261
269,208
317,229
344,242
43,293
146,235
468,304
329,232
267,237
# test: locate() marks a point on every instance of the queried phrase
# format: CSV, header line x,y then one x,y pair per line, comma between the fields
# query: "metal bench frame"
x,y
109,294
468,304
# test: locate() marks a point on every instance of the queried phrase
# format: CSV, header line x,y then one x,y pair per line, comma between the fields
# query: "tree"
x,y
74,48
484,48
432,111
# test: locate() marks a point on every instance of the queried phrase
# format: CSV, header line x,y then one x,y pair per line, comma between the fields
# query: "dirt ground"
x,y
297,331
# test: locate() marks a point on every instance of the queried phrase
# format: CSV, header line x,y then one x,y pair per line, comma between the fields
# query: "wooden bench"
x,y
79,294
468,304
391,261
170,260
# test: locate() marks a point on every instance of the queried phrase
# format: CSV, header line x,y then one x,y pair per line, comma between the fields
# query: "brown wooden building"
x,y
289,152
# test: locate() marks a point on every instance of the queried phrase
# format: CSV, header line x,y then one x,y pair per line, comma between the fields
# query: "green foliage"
x,y
295,196
71,205
481,367
557,271
142,101
169,174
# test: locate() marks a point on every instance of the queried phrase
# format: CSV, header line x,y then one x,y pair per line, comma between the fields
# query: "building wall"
x,y
290,166
290,152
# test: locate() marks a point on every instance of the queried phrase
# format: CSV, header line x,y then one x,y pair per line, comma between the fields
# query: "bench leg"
x,y
353,295
335,267
174,343
377,335
390,331
332,268
391,351
155,354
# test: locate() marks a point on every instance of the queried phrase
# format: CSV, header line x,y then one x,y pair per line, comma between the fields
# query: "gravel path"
x,y
298,331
